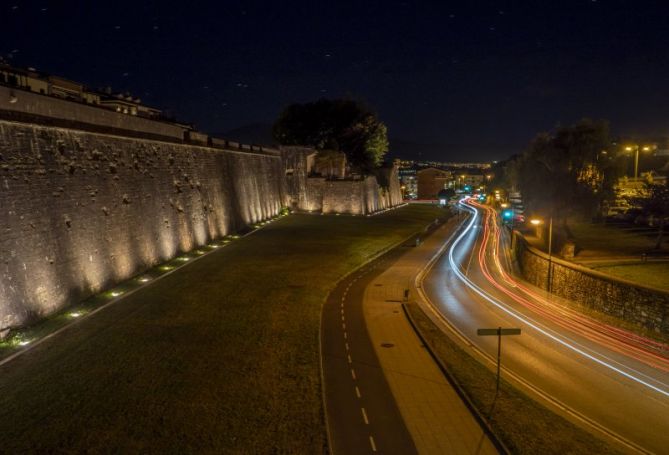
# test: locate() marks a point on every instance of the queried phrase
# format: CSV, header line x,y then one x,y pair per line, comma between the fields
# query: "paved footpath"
x,y
383,391
434,414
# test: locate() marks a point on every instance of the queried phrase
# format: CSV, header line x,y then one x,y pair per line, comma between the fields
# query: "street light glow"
x,y
535,221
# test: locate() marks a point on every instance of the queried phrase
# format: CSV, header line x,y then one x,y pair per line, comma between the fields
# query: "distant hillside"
x,y
401,148
254,133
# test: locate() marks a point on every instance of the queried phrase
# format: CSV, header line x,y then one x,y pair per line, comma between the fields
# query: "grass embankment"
x,y
620,250
595,239
522,424
654,274
220,357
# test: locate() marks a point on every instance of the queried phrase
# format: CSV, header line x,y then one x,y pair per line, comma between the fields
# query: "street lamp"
x,y
635,148
537,222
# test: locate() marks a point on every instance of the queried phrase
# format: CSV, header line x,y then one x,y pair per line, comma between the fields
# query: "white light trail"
x,y
530,322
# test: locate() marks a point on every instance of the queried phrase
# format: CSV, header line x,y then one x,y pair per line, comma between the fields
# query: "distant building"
x,y
432,180
59,87
469,178
408,182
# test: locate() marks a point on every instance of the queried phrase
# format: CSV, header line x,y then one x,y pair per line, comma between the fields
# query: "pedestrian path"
x,y
437,419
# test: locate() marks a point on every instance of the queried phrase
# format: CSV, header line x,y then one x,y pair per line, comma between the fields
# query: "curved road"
x,y
612,382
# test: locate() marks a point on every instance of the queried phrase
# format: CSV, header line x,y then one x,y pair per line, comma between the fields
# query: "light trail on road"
x,y
628,343
568,342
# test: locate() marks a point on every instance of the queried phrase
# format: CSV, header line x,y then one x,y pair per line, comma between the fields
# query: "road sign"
x,y
498,332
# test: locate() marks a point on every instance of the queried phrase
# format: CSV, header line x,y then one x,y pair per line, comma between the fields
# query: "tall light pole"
x,y
635,147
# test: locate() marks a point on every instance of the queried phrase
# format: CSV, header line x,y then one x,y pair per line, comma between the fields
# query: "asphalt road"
x,y
614,386
361,413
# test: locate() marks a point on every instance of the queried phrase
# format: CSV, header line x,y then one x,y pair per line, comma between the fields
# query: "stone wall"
x,y
82,211
17,103
345,196
337,195
640,305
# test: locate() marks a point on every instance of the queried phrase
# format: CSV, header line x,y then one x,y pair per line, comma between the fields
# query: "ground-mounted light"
x,y
166,268
183,259
75,314
144,279
115,293
24,342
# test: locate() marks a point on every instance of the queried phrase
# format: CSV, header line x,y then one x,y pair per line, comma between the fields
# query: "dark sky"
x,y
479,77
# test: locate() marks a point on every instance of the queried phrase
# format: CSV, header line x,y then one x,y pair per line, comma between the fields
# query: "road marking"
x,y
342,317
346,346
471,256
349,359
364,416
353,374
357,392
371,442
345,337
343,325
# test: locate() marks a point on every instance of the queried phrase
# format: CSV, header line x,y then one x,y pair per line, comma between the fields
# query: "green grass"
x,y
219,357
655,274
522,424
613,240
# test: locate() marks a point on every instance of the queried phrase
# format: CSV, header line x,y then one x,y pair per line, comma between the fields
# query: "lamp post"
x,y
537,222
635,148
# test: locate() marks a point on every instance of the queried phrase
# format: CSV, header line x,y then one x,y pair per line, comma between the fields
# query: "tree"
x,y
568,172
656,204
342,125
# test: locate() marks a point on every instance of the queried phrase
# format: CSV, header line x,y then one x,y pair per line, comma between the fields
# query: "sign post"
x,y
498,332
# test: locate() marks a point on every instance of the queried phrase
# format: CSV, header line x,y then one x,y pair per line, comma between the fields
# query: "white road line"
x,y
346,346
343,325
345,337
357,392
353,373
364,416
349,359
371,442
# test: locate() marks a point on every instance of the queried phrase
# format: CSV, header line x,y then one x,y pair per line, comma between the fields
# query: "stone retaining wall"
x,y
640,305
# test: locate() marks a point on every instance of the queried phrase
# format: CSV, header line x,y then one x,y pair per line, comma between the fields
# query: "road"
x,y
614,383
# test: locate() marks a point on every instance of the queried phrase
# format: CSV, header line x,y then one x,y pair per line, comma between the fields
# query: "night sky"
x,y
478,78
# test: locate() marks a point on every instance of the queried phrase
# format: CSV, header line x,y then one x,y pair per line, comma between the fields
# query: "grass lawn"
x,y
522,424
655,274
220,357
613,240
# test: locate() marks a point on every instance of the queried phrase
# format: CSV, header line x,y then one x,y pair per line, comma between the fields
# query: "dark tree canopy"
x,y
568,172
343,125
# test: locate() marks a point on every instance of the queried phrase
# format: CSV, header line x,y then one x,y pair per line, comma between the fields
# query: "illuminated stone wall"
x,y
358,197
82,211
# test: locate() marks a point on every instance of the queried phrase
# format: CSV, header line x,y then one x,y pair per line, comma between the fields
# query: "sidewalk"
x,y
437,419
